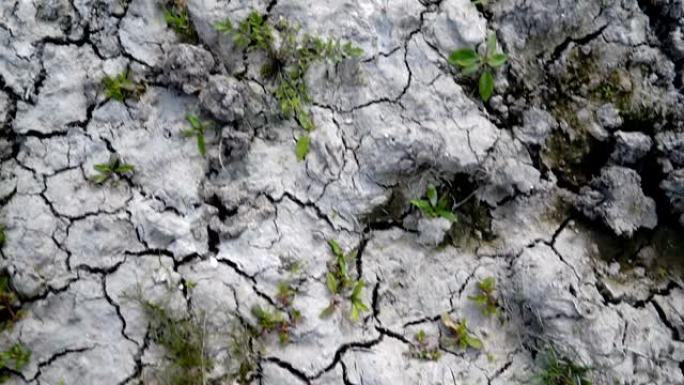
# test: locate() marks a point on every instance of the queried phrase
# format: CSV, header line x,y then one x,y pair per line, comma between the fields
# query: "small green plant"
x,y
114,169
198,128
245,352
486,298
177,18
270,321
422,350
10,310
557,370
183,340
471,62
287,63
15,358
433,206
460,332
340,284
120,87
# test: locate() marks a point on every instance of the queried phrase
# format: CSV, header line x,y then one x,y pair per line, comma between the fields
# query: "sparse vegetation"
x,y
289,57
177,18
197,129
15,358
115,169
183,340
10,309
434,206
461,334
120,87
471,62
3,237
245,352
486,298
422,350
270,321
341,285
557,370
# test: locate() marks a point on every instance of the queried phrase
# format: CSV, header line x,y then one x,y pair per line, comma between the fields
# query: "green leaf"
x,y
188,133
464,57
486,85
225,26
328,311
194,121
304,119
103,167
487,284
335,247
124,168
497,60
332,283
354,313
201,144
421,204
471,70
473,342
302,147
100,178
432,195
491,44
358,288
448,215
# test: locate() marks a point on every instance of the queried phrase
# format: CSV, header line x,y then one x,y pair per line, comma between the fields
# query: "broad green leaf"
x,y
304,119
486,85
423,205
332,283
464,57
302,147
201,144
328,311
432,195
473,342
194,121
335,247
103,167
124,168
354,313
497,60
361,306
100,178
471,69
448,215
358,288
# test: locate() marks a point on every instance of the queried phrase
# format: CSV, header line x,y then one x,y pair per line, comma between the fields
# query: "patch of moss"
x,y
10,307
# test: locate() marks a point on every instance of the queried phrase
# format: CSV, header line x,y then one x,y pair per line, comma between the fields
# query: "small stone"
x,y
187,67
630,147
609,116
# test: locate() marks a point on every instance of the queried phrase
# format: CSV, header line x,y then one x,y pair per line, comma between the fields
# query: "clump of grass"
x,y
10,309
197,129
557,370
434,206
342,285
289,54
486,298
471,62
421,349
120,87
183,340
177,18
245,353
114,169
460,333
274,321
14,358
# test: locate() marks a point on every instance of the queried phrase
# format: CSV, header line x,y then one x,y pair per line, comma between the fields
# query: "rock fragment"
x,y
616,198
187,67
630,147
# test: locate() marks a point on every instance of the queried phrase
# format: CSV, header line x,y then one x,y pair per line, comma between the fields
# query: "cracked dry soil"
x,y
567,186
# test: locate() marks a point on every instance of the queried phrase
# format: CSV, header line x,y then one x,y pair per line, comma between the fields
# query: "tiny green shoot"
x,y
433,206
486,298
115,168
340,284
14,359
557,370
471,62
197,129
120,87
422,350
460,332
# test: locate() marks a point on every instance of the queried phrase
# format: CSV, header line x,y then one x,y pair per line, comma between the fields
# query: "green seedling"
x,y
120,87
433,206
10,311
177,18
198,128
289,57
460,332
114,169
15,358
561,371
183,340
340,284
422,350
275,322
486,298
471,62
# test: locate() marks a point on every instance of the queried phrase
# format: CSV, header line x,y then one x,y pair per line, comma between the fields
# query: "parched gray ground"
x,y
574,171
